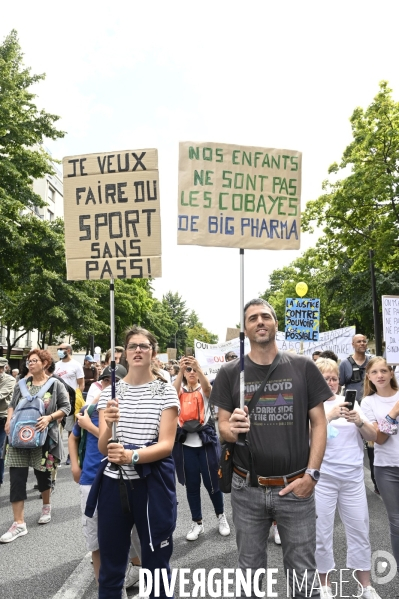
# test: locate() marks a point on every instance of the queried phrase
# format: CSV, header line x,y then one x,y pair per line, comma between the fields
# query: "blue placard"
x,y
302,318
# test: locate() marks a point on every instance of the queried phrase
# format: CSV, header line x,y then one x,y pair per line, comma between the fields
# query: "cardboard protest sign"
x,y
52,349
302,319
239,196
112,215
390,319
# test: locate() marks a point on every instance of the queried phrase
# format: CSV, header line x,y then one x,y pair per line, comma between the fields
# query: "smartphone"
x,y
350,398
189,352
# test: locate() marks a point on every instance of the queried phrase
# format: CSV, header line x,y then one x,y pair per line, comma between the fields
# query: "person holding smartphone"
x,y
341,486
196,451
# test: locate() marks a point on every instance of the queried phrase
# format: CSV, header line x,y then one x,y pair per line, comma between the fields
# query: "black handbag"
x,y
226,464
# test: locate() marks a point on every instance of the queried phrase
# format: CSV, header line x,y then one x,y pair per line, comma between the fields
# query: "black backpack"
x,y
358,372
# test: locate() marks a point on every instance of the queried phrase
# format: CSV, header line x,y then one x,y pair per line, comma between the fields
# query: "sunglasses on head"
x,y
190,369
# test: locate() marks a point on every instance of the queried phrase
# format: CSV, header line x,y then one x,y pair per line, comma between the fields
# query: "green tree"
x,y
178,312
159,321
360,211
40,297
196,330
315,272
133,302
22,129
345,296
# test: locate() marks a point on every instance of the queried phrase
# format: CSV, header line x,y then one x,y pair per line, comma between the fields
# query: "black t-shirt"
x,y
279,434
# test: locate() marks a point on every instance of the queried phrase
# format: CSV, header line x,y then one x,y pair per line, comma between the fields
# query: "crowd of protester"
x,y
164,416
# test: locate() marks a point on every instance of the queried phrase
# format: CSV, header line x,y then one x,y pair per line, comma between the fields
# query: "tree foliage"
x,y
22,129
360,211
34,291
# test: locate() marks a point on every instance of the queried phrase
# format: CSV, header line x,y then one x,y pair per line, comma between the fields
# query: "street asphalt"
x,y
52,561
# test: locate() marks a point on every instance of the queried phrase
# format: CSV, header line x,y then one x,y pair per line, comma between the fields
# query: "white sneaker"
x,y
124,593
369,593
276,534
224,528
46,515
132,575
195,531
15,531
326,593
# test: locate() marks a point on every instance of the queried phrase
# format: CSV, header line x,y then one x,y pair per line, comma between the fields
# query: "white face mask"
x,y
61,353
1,375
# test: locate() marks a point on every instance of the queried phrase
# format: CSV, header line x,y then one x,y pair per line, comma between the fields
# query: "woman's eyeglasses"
x,y
32,361
189,369
143,347
332,379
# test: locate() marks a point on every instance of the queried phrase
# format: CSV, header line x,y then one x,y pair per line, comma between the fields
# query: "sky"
x,y
131,74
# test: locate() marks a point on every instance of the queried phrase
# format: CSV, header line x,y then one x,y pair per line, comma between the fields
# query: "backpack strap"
x,y
25,391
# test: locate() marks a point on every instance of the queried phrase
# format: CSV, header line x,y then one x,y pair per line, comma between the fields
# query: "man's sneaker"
x,y
132,575
368,593
224,528
276,534
195,531
46,515
68,461
16,530
124,593
326,593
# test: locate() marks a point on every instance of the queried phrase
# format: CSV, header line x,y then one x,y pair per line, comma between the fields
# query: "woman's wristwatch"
x,y
361,423
135,457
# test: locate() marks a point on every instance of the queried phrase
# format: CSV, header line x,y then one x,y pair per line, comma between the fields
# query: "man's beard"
x,y
264,340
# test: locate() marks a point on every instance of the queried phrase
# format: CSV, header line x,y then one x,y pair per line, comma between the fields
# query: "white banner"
x,y
390,321
339,341
212,357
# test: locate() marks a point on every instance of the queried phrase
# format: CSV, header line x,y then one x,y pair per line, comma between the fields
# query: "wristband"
x,y
391,420
386,427
135,457
361,423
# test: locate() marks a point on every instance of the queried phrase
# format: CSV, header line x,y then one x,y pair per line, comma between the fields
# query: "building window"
x,y
50,215
50,194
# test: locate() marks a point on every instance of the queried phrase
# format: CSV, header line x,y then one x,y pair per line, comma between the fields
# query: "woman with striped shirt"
x,y
145,412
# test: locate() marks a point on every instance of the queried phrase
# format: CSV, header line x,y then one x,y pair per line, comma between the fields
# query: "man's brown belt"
x,y
274,481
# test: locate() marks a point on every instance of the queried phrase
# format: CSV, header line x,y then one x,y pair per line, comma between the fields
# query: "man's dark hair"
x,y
259,302
317,353
329,355
51,367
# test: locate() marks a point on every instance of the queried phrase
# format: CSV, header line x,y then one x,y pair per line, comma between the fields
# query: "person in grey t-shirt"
x,y
352,369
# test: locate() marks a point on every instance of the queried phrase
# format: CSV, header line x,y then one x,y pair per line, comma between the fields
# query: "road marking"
x,y
79,581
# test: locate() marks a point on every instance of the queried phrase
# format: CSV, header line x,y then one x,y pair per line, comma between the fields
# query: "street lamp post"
x,y
377,331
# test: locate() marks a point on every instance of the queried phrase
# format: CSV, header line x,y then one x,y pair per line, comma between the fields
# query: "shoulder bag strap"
x,y
251,406
256,396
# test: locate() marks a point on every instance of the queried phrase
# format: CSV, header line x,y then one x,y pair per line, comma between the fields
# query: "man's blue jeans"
x,y
2,439
254,509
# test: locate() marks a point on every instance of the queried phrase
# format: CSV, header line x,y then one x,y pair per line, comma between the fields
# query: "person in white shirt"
x,y
341,485
381,406
69,369
72,373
